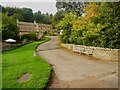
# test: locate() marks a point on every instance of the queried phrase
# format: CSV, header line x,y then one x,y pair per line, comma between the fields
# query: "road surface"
x,y
78,71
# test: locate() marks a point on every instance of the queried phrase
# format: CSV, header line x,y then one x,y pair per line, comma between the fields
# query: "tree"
x,y
38,17
27,15
43,18
17,16
66,25
23,14
57,17
9,10
110,16
66,22
99,27
71,6
9,28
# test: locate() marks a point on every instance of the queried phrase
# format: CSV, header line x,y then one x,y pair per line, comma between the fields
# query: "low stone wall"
x,y
98,52
68,46
8,47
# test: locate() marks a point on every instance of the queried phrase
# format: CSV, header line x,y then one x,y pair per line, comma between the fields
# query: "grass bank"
x,y
21,61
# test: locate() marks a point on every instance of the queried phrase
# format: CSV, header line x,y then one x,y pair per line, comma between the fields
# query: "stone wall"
x,y
98,52
7,47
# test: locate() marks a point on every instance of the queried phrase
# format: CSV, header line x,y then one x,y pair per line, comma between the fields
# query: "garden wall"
x,y
98,52
7,47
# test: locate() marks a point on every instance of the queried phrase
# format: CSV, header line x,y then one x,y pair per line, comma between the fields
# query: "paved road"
x,y
77,70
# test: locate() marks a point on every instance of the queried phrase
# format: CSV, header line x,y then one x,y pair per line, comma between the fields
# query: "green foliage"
x,y
57,17
99,27
66,8
21,61
110,35
66,25
71,6
66,22
26,15
64,38
9,28
23,14
75,37
41,18
29,37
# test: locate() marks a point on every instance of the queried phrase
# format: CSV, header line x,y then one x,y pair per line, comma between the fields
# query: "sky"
x,y
36,5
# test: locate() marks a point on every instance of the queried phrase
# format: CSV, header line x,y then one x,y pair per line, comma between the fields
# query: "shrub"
x,y
29,37
75,37
64,38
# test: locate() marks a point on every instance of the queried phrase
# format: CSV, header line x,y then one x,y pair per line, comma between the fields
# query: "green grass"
x,y
20,61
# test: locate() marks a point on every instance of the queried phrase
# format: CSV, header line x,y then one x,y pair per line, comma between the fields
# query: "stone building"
x,y
25,28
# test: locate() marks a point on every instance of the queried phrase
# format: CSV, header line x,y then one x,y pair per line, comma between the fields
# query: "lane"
x,y
69,67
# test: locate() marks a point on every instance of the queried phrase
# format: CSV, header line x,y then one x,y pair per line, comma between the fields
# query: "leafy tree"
x,y
46,20
64,38
27,15
9,28
43,18
38,17
57,17
66,25
18,16
66,22
9,10
76,37
110,16
71,6
99,27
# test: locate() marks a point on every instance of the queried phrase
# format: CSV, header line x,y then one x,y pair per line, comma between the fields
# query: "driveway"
x,y
79,71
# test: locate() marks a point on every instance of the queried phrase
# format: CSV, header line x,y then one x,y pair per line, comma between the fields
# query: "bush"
x,y
64,38
75,37
29,37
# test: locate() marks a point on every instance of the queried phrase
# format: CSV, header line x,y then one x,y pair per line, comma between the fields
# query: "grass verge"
x,y
21,61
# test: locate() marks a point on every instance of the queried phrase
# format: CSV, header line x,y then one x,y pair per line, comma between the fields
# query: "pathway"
x,y
78,71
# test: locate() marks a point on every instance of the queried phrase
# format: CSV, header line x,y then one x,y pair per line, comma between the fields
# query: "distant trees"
x,y
23,14
43,18
38,17
27,15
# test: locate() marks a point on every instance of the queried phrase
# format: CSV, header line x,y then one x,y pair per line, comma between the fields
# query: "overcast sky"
x,y
42,5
